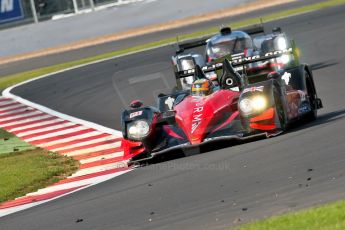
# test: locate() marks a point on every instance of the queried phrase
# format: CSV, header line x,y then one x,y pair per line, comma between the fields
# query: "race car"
x,y
243,104
235,46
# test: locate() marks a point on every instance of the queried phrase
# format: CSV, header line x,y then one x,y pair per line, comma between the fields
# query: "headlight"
x,y
253,105
246,106
138,129
259,103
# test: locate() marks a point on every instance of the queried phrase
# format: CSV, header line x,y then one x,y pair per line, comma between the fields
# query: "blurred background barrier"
x,y
20,12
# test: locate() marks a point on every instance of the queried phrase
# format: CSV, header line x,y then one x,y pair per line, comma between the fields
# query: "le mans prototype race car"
x,y
259,89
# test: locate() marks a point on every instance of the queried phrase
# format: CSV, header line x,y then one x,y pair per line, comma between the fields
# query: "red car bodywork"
x,y
199,117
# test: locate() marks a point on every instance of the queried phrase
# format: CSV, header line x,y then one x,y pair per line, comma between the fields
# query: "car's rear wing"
x,y
238,62
253,30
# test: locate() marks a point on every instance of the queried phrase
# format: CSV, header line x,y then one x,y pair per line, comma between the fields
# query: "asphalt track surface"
x,y
216,189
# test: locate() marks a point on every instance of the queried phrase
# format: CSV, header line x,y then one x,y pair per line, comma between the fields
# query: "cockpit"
x,y
222,45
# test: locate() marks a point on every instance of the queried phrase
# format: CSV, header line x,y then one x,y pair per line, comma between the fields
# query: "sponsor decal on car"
x,y
304,108
286,77
238,61
135,114
170,102
197,113
253,89
259,57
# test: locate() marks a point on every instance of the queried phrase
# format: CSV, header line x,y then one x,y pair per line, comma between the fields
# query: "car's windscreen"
x,y
222,48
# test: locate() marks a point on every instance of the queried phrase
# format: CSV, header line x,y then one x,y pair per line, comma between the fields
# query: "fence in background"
x,y
19,12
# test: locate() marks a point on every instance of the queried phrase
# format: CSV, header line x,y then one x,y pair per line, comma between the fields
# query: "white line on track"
x,y
149,77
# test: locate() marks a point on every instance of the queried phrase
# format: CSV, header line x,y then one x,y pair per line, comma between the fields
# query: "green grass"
x,y
28,171
25,171
10,80
10,143
327,217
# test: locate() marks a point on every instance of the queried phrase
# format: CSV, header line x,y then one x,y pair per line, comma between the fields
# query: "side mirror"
x,y
136,104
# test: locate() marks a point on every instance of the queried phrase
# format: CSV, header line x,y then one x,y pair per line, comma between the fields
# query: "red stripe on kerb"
x,y
101,162
87,146
10,110
39,127
49,131
96,154
21,118
15,114
5,99
64,144
29,123
12,104
61,137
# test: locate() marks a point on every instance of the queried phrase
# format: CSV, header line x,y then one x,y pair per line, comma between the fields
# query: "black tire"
x,y
311,116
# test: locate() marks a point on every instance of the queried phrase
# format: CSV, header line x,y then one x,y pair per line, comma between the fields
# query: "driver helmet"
x,y
201,87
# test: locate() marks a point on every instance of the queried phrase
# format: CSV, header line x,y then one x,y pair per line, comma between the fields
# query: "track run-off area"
x,y
215,189
96,148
